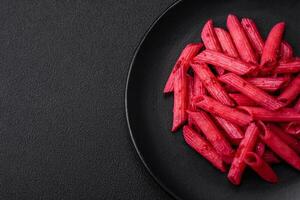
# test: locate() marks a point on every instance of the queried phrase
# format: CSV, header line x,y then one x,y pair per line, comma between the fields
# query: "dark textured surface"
x,y
176,165
63,67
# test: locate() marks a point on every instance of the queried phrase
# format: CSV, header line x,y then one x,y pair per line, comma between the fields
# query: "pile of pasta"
x,y
235,95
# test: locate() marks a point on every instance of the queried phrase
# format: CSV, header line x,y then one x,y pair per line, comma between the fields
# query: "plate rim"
x,y
132,62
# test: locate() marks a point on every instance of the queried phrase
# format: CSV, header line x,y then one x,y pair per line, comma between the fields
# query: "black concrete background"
x,y
63,67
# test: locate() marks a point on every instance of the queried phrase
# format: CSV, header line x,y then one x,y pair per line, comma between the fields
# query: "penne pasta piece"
x,y
233,132
253,34
226,42
188,53
260,148
240,39
282,115
274,142
288,67
180,99
261,167
268,83
200,145
251,91
228,63
270,157
213,135
211,83
242,100
291,92
209,37
286,52
272,46
216,108
210,41
289,140
238,166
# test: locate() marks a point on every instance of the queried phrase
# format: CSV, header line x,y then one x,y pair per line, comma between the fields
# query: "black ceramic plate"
x,y
181,171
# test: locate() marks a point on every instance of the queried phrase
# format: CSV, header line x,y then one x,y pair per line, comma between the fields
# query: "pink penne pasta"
x,y
199,88
238,99
240,39
226,43
251,91
270,157
279,147
216,108
210,41
238,166
253,34
228,63
200,145
286,52
181,100
233,132
291,92
282,115
213,135
288,67
288,139
272,45
211,83
209,37
188,53
268,83
242,100
261,167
